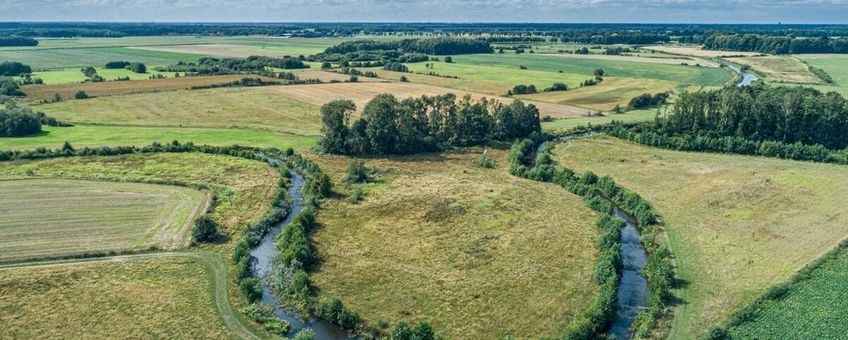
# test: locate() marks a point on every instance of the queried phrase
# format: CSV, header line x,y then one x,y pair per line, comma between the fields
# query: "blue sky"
x,y
661,11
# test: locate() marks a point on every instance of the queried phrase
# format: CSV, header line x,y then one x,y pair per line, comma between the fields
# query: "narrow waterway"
x,y
633,288
747,77
264,254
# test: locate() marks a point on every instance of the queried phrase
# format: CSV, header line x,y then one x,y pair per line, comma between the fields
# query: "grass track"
x,y
58,218
129,266
738,224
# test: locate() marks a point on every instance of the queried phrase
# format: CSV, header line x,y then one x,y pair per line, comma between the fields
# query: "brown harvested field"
x,y
219,50
657,60
785,69
698,51
361,93
46,92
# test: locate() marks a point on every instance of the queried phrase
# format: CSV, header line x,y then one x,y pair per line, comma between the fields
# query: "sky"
x,y
618,11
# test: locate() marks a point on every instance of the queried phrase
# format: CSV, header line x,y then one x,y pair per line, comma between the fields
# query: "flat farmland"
x,y
632,116
361,93
67,91
737,224
668,60
244,188
99,135
254,108
609,93
697,50
74,75
835,66
132,297
60,58
58,217
784,69
441,240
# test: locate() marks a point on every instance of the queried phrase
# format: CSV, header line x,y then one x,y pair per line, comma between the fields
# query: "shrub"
x,y
205,229
357,172
448,59
305,334
556,87
81,95
137,67
356,196
251,289
403,79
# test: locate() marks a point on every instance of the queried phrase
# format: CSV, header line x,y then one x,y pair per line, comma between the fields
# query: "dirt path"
x,y
214,265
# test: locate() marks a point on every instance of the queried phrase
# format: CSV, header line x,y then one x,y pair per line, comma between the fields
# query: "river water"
x,y
747,77
633,288
264,254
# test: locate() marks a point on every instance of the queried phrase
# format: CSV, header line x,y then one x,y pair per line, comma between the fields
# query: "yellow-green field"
x,y
244,187
134,298
782,69
244,108
633,116
611,92
476,252
57,217
737,224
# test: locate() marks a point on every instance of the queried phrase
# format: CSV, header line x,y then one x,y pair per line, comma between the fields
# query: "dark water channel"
x,y
633,288
264,253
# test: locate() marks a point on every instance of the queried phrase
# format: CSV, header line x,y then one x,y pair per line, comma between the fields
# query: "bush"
x,y
251,289
334,311
448,59
556,87
403,79
116,64
205,229
396,67
305,334
81,95
137,67
357,172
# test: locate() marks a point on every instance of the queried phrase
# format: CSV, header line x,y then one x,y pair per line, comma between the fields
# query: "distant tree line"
x,y
406,50
612,37
17,41
392,126
760,113
252,64
775,44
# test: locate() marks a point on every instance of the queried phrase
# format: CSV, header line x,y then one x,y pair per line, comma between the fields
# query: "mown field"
x,y
611,92
696,50
67,91
75,75
781,69
128,298
627,117
58,218
99,135
442,240
62,58
811,308
240,108
244,187
737,224
835,66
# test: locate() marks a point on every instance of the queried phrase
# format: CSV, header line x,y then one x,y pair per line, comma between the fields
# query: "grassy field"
x,y
244,187
812,308
627,117
74,75
781,69
443,240
62,58
737,224
647,58
696,50
611,92
834,65
99,135
240,108
129,298
57,218
361,93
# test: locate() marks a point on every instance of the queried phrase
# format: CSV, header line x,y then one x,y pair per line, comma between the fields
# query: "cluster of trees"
x,y
252,64
14,68
206,229
775,44
334,311
390,126
404,331
91,73
396,67
647,100
531,89
612,37
17,41
22,121
603,195
10,87
616,50
760,113
135,67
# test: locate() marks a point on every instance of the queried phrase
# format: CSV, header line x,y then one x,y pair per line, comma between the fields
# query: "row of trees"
x,y
14,68
392,126
775,45
135,67
404,51
759,113
17,41
252,64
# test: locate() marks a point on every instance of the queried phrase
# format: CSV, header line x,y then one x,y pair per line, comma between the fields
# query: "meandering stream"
x,y
633,287
264,254
747,77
